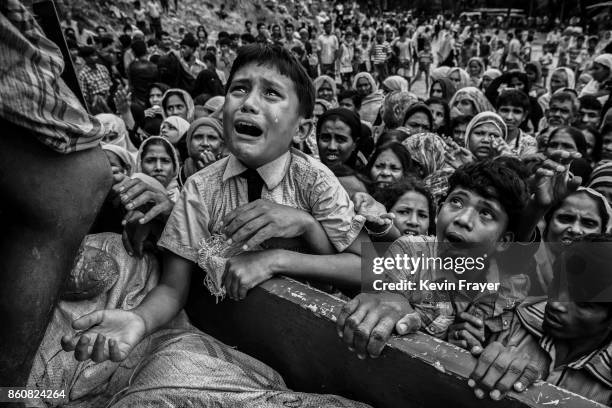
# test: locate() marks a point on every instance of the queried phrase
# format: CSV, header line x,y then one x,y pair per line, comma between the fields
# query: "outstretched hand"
x,y
374,212
105,335
553,181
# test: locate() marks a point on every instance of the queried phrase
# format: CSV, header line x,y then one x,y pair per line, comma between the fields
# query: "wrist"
x,y
278,261
142,315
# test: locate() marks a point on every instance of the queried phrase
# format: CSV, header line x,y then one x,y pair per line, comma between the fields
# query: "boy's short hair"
x,y
289,25
501,179
224,41
590,102
211,58
280,58
351,94
380,31
514,97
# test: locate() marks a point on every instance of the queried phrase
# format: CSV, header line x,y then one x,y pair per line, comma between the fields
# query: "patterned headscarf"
x,y
115,128
427,149
486,118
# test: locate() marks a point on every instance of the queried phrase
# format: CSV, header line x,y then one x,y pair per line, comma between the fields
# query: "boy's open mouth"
x,y
454,238
248,128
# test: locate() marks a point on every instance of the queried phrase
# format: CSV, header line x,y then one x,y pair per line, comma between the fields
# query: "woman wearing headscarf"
x,y
204,146
177,102
460,77
207,82
395,83
442,88
485,136
325,88
120,159
439,73
157,158
117,133
601,71
429,151
560,78
418,119
487,77
469,101
475,68
372,100
174,128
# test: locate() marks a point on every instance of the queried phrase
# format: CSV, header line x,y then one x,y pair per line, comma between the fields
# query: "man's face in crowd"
x,y
260,114
276,31
589,117
380,38
389,35
560,113
289,33
186,51
466,217
327,27
459,133
513,116
166,42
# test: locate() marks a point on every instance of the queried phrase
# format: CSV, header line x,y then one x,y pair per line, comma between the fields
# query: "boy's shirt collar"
x,y
272,173
598,362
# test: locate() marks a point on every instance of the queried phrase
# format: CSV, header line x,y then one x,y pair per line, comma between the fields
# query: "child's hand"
x,y
122,100
501,147
469,334
106,335
245,271
260,220
374,212
552,182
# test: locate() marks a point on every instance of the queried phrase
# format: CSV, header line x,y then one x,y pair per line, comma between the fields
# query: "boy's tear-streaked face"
x,y
260,115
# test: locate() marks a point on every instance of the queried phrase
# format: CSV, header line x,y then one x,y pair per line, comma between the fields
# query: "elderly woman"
x,y
469,101
485,135
487,77
204,144
325,88
338,134
560,78
601,71
372,97
177,102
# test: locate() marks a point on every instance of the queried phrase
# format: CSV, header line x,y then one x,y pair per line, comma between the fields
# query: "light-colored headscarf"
x,y
126,157
480,101
370,105
480,64
114,125
463,75
324,79
172,188
486,118
597,196
544,100
180,124
186,98
492,73
439,73
594,86
396,83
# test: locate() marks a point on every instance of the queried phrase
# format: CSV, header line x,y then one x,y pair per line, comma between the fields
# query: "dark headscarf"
x,y
172,72
448,88
207,82
350,118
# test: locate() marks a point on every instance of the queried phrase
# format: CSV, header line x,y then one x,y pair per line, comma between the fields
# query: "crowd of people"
x,y
281,148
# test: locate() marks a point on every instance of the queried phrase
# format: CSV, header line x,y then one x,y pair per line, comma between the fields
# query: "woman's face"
x,y
335,143
157,163
480,141
517,84
418,122
175,106
578,215
463,106
205,139
437,111
168,131
531,75
116,163
325,92
474,69
561,140
456,78
558,80
486,81
436,91
155,97
387,169
412,214
600,72
364,87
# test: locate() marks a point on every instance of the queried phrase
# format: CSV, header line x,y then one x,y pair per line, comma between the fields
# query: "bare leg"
x,y
49,202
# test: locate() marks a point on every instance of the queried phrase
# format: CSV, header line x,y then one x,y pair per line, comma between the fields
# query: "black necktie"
x,y
254,182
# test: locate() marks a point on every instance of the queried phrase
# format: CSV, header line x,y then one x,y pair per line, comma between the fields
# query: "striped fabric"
x,y
32,94
589,376
601,176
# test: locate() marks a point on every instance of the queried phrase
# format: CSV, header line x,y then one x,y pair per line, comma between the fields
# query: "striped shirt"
x,y
32,93
589,375
380,52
